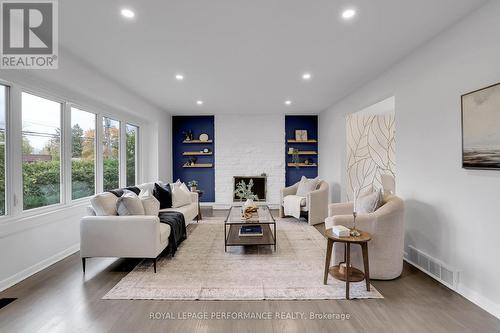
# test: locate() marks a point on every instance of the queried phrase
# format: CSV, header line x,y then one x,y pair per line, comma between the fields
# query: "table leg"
x,y
329,246
275,239
364,248
347,269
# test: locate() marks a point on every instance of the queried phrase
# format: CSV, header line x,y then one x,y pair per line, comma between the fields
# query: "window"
x,y
3,108
82,153
41,149
131,157
111,153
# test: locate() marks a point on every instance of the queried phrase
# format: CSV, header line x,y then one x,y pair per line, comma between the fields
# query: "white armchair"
x,y
386,225
316,202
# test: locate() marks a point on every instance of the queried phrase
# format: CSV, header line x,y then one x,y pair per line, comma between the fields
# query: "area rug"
x,y
201,270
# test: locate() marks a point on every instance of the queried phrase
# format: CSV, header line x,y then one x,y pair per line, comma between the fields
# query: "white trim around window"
x,y
13,151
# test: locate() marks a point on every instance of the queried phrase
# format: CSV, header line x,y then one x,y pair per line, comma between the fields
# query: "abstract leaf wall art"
x,y
370,150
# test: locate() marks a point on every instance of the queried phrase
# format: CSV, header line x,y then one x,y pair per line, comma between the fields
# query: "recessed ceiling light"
x,y
348,14
288,102
179,77
306,76
128,13
199,102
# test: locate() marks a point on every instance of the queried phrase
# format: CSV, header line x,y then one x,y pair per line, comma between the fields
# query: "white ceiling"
x,y
247,56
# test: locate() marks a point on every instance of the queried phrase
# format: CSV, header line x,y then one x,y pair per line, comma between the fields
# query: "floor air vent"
x,y
6,301
432,267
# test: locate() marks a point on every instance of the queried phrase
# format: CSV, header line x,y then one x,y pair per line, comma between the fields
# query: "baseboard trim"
x,y
474,297
481,301
26,273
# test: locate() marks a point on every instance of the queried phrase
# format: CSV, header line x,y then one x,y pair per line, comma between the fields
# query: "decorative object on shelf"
x,y
244,191
203,137
263,174
291,150
354,231
193,184
192,161
301,135
308,161
480,123
206,150
295,157
188,136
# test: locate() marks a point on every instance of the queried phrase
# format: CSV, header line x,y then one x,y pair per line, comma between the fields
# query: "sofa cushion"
x,y
178,183
164,195
307,185
189,211
129,204
164,232
181,196
150,203
104,204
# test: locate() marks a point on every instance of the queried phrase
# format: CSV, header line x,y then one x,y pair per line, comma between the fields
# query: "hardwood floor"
x,y
62,299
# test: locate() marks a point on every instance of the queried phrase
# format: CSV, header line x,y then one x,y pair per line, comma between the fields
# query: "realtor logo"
x,y
29,34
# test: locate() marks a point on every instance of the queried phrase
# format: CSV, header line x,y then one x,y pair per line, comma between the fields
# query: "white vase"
x,y
249,203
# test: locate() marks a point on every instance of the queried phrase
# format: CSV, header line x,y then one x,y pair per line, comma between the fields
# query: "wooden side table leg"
x,y
364,248
328,259
347,269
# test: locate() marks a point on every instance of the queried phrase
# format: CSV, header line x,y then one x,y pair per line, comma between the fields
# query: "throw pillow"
x,y
119,191
129,204
150,203
104,204
180,197
369,203
178,183
164,195
307,185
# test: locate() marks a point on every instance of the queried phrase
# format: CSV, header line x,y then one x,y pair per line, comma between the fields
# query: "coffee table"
x,y
262,217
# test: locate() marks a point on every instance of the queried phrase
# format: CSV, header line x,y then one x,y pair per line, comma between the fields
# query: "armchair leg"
x,y
83,265
154,264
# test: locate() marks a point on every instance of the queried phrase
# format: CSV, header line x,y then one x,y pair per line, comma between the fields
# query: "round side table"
x,y
347,273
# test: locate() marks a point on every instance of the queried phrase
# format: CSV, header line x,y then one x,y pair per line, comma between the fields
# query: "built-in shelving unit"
x,y
303,149
201,165
301,141
302,165
196,153
189,161
197,141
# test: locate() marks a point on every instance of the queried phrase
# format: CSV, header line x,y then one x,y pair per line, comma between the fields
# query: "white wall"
x,y
248,145
31,242
451,213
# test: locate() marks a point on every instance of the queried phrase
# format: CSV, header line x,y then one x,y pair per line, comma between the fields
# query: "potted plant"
x,y
244,191
193,184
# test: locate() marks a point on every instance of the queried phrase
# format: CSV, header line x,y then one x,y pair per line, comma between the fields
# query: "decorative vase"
x,y
194,188
249,203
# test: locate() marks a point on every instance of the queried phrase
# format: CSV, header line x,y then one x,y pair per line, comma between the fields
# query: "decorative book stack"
x,y
251,231
340,231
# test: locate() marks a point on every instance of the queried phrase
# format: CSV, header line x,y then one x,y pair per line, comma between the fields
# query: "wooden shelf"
x,y
197,141
200,165
298,141
196,153
301,165
305,152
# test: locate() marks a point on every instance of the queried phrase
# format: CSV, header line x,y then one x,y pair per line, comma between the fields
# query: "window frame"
x,y
62,153
69,193
121,154
14,211
136,150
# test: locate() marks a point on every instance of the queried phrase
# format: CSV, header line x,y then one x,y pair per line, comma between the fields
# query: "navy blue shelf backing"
x,y
309,123
205,175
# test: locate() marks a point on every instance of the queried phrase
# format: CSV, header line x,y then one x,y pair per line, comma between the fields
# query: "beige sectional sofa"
x,y
129,236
